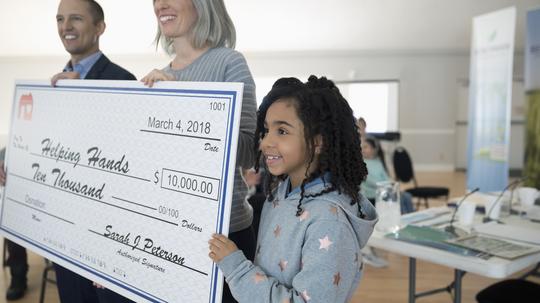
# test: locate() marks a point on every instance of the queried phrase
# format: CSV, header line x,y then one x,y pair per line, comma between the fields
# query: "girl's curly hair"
x,y
323,111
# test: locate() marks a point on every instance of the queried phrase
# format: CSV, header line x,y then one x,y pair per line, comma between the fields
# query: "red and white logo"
x,y
26,106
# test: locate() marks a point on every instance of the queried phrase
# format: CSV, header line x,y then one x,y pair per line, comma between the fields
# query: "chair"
x,y
45,278
403,169
513,290
4,252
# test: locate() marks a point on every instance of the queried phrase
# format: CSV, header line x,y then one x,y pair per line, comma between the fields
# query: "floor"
x,y
386,285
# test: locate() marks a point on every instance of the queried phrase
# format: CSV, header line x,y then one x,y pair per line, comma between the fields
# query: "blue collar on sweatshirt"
x,y
84,66
317,181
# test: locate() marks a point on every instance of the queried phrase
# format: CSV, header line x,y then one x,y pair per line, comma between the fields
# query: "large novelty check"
x,y
124,184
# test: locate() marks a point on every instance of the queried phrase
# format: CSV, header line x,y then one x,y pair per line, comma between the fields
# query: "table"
x,y
493,267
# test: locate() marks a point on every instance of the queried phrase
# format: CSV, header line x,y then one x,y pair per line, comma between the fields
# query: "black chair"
x,y
4,253
45,278
403,169
513,290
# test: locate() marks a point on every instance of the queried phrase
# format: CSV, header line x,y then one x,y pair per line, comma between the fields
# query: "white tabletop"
x,y
494,267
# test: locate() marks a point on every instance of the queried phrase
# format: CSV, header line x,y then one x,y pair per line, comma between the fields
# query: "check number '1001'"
x,y
190,184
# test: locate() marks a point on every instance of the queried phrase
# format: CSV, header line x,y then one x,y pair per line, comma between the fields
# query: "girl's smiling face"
x,y
284,146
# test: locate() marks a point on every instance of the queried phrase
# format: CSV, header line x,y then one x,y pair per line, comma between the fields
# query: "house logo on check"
x,y
26,106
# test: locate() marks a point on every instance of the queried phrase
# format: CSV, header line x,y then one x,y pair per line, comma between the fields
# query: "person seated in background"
x,y
361,124
378,172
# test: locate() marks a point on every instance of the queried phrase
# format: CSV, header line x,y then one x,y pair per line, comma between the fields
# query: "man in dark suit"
x,y
80,24
17,259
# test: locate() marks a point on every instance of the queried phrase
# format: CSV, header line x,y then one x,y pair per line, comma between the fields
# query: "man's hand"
x,y
97,285
220,247
64,75
251,177
2,174
155,76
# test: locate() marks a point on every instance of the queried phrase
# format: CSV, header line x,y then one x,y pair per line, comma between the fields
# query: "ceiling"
x,y
29,27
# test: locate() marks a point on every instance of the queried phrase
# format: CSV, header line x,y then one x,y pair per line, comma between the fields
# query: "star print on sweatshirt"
x,y
309,258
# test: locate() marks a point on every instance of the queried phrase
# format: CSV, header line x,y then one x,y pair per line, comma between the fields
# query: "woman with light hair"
x,y
201,37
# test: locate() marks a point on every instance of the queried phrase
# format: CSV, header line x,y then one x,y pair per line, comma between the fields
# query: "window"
x,y
375,101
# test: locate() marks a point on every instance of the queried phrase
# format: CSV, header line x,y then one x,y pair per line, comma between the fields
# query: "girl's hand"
x,y
220,247
156,75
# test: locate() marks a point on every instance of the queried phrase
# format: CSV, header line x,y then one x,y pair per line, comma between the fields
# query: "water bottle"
x,y
506,206
388,206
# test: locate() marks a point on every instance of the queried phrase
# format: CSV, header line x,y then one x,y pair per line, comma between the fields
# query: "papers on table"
x,y
497,247
432,237
511,232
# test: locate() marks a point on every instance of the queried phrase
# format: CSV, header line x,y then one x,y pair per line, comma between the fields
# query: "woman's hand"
x,y
220,247
2,174
64,75
156,75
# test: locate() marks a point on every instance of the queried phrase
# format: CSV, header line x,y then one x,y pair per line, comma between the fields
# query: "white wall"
x,y
427,92
429,87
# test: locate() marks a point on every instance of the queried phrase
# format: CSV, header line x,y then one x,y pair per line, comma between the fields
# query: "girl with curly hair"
x,y
315,221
